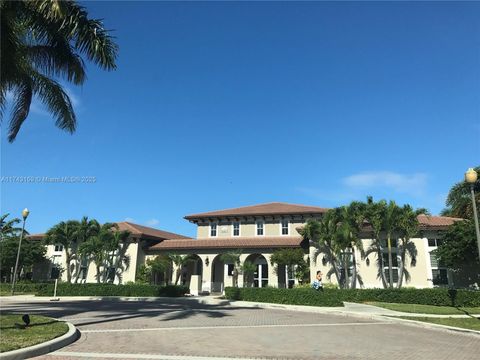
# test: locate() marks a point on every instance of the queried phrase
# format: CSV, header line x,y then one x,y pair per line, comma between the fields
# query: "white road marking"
x,y
228,327
139,356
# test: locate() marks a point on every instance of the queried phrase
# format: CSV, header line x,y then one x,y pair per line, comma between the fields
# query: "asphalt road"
x,y
165,330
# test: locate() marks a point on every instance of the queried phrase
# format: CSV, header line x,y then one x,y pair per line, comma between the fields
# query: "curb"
x,y
342,312
434,326
43,348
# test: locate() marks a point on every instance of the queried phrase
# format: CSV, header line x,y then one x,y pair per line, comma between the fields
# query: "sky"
x,y
219,105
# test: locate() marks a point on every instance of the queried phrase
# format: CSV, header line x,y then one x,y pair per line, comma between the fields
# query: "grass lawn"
x,y
428,309
466,323
41,329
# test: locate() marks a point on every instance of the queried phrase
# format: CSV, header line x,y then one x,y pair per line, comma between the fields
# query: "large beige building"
x,y
257,231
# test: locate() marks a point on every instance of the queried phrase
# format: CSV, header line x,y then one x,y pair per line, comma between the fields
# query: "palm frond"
x,y
21,108
57,101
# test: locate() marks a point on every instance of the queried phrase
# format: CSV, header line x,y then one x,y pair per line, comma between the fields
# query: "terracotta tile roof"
x,y
143,232
148,232
230,243
274,208
35,236
436,222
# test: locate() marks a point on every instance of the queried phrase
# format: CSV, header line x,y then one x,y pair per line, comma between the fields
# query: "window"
x,y
284,227
111,274
58,248
260,225
213,229
395,260
439,277
236,228
83,268
439,271
56,267
434,242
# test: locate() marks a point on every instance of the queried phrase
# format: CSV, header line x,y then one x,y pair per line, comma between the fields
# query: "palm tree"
x,y
374,216
41,40
65,233
390,226
86,229
8,228
120,261
98,247
407,228
323,234
180,262
233,257
459,200
248,268
352,219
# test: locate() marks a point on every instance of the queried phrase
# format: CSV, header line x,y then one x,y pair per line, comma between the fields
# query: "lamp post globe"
x,y
25,213
471,176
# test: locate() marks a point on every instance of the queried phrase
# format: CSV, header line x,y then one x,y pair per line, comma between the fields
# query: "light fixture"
x,y
368,262
471,177
207,261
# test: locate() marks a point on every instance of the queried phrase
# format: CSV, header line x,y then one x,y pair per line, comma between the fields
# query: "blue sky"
x,y
218,105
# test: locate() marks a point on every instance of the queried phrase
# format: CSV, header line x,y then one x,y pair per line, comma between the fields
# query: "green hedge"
x,y
66,289
21,287
138,290
335,297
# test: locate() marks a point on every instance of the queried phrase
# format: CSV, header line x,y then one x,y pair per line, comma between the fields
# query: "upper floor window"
x,y
213,229
284,227
236,228
434,242
58,248
260,225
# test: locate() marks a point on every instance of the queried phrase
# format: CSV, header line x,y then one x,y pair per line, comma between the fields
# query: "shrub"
x,y
138,290
336,297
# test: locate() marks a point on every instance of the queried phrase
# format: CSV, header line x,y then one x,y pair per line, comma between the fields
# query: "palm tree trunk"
x,y
98,273
68,259
390,262
345,266
402,267
354,272
382,265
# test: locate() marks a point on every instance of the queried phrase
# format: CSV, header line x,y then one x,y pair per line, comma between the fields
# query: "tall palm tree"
x,y
42,40
65,233
374,216
407,228
459,200
98,248
119,261
233,257
323,234
8,228
352,219
390,226
180,262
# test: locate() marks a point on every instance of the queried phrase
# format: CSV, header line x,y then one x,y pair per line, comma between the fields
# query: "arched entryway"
x,y
258,277
218,275
193,267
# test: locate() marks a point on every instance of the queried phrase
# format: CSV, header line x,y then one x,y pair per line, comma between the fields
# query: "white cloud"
x,y
129,219
152,222
413,184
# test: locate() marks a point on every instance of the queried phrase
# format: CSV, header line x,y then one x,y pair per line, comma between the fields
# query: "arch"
x,y
259,278
193,267
218,275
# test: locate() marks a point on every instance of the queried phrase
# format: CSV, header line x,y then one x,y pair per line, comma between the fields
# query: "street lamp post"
x,y
25,213
471,178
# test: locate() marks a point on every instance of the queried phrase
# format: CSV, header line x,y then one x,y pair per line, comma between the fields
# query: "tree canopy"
x,y
459,199
42,41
